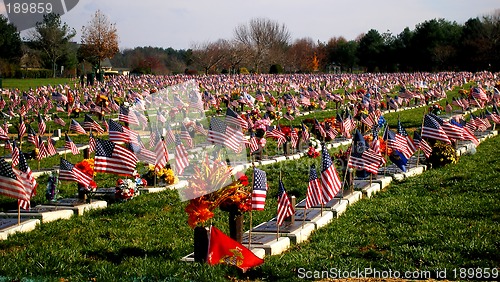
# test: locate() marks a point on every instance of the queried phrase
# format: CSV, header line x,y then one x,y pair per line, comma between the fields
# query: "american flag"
x,y
451,130
186,136
221,134
362,157
91,124
432,129
21,127
59,120
142,153
119,133
294,137
195,101
285,208
198,127
113,158
169,137
127,116
329,177
467,134
106,126
70,145
29,182
457,102
422,144
233,118
277,134
305,133
410,147
42,149
492,117
288,116
91,143
181,156
75,126
154,137
253,143
10,185
23,166
330,131
259,190
68,172
143,120
478,93
3,134
394,141
160,117
161,154
15,154
41,125
319,128
51,150
314,196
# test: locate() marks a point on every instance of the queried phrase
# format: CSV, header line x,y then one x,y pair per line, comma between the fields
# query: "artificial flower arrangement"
x,y
87,167
443,154
128,188
312,153
214,175
436,109
163,176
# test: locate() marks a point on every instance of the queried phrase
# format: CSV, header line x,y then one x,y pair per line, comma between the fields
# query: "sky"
x,y
182,23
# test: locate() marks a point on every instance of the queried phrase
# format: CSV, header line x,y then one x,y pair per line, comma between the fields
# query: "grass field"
x,y
446,218
26,84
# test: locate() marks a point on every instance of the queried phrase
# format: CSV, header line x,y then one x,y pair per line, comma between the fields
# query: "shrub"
x,y
276,69
244,71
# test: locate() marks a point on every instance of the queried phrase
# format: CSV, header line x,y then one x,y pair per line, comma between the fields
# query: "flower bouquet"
x,y
87,167
127,188
312,153
214,185
164,176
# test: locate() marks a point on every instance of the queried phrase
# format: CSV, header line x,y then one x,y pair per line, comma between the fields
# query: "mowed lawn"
x,y
448,218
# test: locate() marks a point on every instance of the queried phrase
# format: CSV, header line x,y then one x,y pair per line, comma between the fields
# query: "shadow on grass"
x,y
123,254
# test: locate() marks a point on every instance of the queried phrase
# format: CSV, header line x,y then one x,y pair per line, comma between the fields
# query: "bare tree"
x,y
209,54
262,37
99,39
236,54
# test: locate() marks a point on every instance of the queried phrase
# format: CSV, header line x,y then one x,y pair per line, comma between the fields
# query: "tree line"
x,y
260,46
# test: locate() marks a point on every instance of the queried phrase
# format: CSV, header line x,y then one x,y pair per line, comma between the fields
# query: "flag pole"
x,y
418,150
250,230
18,213
277,225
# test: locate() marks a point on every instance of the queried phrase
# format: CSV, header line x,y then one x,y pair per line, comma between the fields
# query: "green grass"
x,y
446,218
26,84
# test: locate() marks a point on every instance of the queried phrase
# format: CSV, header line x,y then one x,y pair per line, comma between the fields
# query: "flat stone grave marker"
x,y
272,226
44,214
329,205
9,222
271,244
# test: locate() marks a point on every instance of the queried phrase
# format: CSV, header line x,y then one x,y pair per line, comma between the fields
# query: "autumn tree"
x,y
99,39
52,38
264,38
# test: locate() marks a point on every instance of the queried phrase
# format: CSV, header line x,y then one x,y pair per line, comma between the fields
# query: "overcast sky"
x,y
180,23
